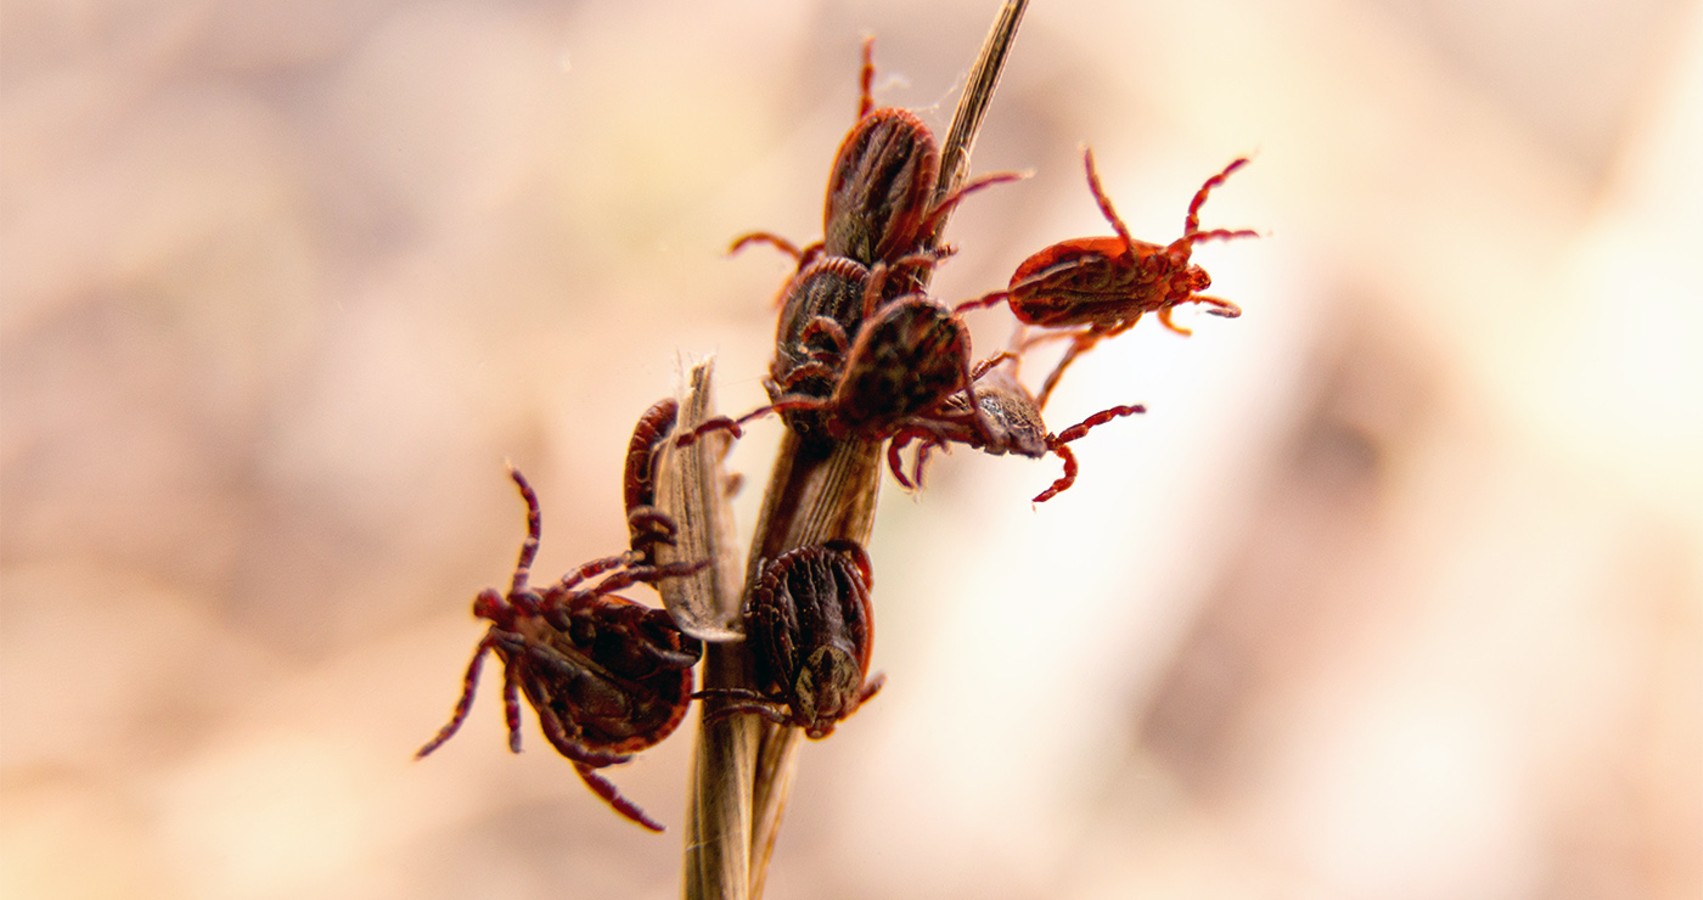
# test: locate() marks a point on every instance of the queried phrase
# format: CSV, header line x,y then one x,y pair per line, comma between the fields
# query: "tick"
x,y
1101,286
647,526
907,358
808,624
880,200
821,314
607,676
1014,425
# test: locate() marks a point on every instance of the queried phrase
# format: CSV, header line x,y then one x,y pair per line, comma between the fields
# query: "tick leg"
x,y
769,238
824,368
873,289
1024,343
950,201
859,557
741,700
827,327
981,302
1094,421
761,708
1219,234
590,569
866,79
604,788
1217,306
895,462
1104,201
511,704
556,605
923,451
930,440
525,603
647,527
647,575
733,427
1080,344
534,528
464,703
586,761
736,426
1191,223
1064,481
1214,305
1165,320
1056,444
904,271
801,256
991,363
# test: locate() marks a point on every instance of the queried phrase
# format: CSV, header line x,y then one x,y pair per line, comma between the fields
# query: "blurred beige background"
x,y
1395,592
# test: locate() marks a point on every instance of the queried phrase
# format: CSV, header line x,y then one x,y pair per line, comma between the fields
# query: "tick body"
x,y
1102,286
647,526
607,676
880,187
808,622
908,359
819,318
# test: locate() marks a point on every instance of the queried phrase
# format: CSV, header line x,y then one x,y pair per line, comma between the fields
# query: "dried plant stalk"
x,y
973,105
719,814
813,497
744,766
691,488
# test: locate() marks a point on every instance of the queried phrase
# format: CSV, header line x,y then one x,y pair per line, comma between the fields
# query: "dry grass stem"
x,y
744,767
691,488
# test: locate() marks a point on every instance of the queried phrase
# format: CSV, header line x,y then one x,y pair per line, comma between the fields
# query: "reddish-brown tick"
x,y
608,677
807,620
1014,425
880,205
647,526
1101,286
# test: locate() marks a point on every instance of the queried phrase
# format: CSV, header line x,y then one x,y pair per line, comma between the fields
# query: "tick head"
x,y
492,606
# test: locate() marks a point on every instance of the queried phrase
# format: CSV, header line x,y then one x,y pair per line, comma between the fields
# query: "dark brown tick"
x,y
1101,286
907,358
821,314
807,620
607,676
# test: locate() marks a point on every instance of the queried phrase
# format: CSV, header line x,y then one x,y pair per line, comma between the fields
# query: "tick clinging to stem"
x,y
647,526
879,205
608,677
1013,425
809,626
1101,286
